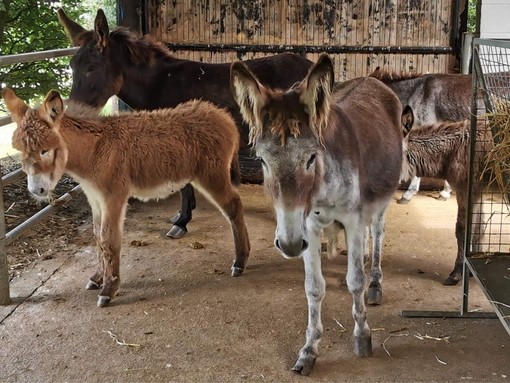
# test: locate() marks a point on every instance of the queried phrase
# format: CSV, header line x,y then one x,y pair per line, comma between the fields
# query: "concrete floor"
x,y
181,317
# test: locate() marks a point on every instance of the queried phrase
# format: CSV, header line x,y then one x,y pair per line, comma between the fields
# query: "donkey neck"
x,y
158,83
80,137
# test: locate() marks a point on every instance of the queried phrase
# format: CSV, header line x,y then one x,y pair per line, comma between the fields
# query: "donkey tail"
x,y
235,170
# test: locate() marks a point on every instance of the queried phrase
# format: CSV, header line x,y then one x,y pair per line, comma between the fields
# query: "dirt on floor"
x,y
181,317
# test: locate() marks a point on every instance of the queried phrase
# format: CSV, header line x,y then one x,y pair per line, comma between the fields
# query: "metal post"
x,y
4,271
466,54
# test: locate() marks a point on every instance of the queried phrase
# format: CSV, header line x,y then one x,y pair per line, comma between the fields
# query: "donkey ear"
x,y
250,95
376,73
53,106
71,28
15,105
101,29
407,120
319,84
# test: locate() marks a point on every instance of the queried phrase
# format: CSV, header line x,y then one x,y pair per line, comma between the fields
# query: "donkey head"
x,y
286,128
37,137
96,74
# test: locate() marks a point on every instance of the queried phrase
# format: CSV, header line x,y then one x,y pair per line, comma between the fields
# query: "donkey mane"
x,y
144,49
441,131
284,127
387,75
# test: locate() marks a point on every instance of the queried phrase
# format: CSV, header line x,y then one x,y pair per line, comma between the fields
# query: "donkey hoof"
x,y
403,201
363,346
304,366
175,218
91,285
176,232
451,281
237,271
374,296
103,300
441,198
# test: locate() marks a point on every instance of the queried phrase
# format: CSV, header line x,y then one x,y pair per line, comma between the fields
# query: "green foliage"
x,y
471,25
32,26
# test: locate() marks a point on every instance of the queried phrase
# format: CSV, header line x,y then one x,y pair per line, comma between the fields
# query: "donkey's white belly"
x,y
160,191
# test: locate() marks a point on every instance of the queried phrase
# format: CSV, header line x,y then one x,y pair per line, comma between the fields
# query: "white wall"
x,y
495,19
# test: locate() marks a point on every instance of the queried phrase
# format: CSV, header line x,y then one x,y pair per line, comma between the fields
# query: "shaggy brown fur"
x,y
145,155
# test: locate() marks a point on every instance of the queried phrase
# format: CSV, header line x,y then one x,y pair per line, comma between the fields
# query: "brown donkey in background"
x,y
145,155
442,150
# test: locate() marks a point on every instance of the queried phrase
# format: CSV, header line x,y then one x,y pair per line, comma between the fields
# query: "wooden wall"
x,y
357,25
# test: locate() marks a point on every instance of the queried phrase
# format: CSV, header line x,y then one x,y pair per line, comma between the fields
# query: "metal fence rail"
x,y
7,238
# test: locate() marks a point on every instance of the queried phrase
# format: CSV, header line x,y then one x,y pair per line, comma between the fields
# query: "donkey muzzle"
x,y
291,249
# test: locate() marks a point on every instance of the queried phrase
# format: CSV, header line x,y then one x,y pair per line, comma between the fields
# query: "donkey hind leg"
x,y
315,289
478,226
460,233
446,193
412,189
476,229
219,190
110,245
375,287
182,218
96,280
356,284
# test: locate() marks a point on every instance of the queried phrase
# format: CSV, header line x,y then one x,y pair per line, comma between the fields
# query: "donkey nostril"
x,y
305,245
277,244
41,191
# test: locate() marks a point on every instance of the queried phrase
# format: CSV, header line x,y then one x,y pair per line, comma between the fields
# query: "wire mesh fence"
x,y
488,253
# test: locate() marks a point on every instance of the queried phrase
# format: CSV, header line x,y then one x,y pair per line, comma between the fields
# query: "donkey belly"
x,y
158,191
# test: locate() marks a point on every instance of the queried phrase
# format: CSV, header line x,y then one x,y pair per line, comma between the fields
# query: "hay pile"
x,y
498,160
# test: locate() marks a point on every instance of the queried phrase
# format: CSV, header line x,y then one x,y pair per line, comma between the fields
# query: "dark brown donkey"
x,y
145,155
143,74
328,159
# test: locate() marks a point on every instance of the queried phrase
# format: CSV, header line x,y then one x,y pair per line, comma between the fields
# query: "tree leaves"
x,y
32,26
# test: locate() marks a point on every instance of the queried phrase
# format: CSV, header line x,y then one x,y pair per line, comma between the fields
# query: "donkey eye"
x,y
43,152
310,161
92,68
261,160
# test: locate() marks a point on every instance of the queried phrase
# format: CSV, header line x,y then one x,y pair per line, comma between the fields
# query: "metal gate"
x,y
418,35
488,258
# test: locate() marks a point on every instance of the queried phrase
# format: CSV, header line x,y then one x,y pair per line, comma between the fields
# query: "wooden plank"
x,y
375,23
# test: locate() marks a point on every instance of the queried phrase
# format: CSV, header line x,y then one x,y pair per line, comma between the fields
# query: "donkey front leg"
x,y
96,280
356,284
110,242
315,289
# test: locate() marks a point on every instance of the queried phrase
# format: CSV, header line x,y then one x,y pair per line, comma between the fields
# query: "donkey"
x,y
143,74
442,150
145,155
433,98
328,159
